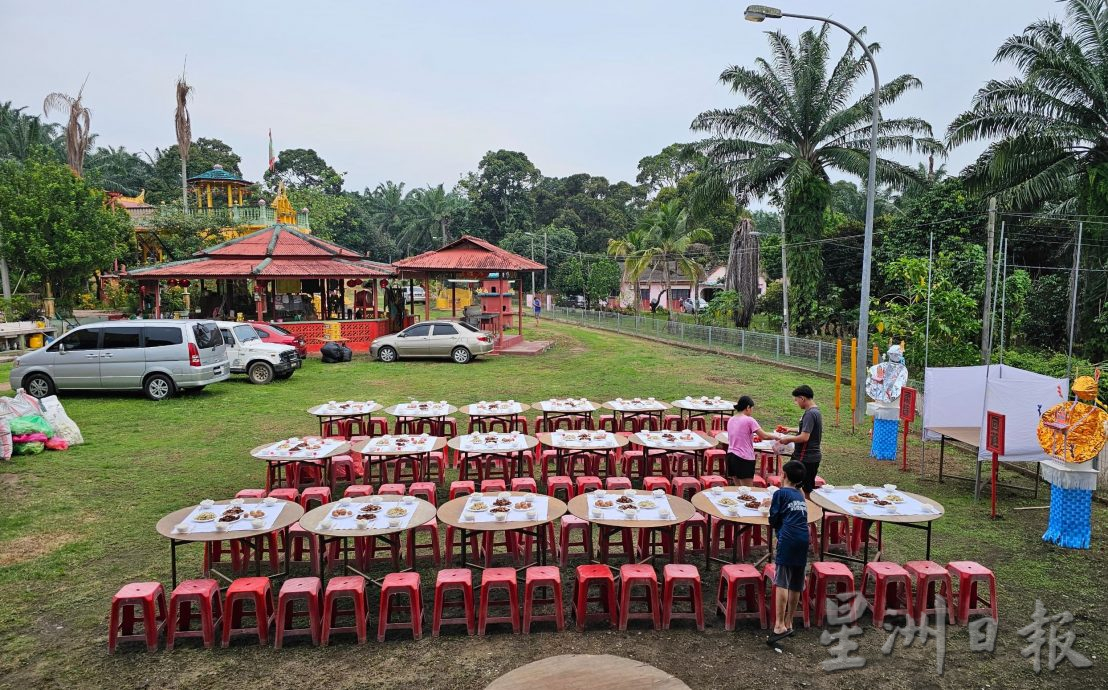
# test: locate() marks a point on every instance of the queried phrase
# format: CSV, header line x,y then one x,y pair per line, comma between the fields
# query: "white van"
x,y
158,357
250,355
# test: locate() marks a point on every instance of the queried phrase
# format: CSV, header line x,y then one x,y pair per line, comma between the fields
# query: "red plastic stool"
x,y
508,540
556,482
569,524
502,579
759,482
707,481
462,487
453,579
411,464
683,486
392,490
357,490
147,600
250,493
538,577
837,527
723,535
651,483
342,469
617,483
209,609
624,537
600,576
826,579
401,584
733,579
692,536
473,548
524,484
673,422
493,486
306,589
805,610
639,575
292,495
608,422
633,464
719,422
242,590
431,528
425,490
298,542
928,580
346,587
436,467
715,461
588,484
674,574
319,495
891,588
970,575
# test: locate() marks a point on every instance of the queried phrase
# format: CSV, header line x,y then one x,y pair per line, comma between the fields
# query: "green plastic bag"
x,y
31,424
33,448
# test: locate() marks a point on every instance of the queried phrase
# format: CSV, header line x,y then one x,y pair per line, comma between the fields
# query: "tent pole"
x,y
926,345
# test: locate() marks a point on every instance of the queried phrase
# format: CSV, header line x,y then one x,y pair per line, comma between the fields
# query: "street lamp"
x,y
759,13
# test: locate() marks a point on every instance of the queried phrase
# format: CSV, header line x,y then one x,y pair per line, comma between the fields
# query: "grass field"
x,y
76,525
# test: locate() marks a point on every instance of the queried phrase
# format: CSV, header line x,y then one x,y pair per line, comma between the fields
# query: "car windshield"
x,y
246,333
207,335
277,329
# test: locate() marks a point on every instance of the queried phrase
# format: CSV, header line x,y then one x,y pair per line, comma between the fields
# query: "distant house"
x,y
651,287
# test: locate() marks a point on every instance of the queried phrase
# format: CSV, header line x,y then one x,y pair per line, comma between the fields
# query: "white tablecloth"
x,y
243,525
556,406
743,510
614,513
345,409
540,504
572,439
281,450
632,406
655,438
414,409
475,443
499,408
381,519
909,506
387,444
705,405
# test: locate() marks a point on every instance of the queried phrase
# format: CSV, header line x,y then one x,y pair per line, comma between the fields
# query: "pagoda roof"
x,y
218,174
278,251
467,253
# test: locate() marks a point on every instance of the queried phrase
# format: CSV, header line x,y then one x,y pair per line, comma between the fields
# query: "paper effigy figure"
x,y
884,383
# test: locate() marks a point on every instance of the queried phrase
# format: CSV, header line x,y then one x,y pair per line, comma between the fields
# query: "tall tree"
x,y
669,167
78,138
669,243
592,207
183,125
428,214
300,168
203,154
630,249
799,123
21,134
501,193
742,271
118,170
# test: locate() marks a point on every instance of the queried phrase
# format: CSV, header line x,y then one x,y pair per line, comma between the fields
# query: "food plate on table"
x,y
206,516
341,513
524,505
396,512
858,498
647,505
477,507
727,501
604,503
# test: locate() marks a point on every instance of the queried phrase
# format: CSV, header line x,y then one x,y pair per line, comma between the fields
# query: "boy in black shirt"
x,y
809,436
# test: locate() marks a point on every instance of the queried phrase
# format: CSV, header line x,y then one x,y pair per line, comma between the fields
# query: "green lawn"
x,y
76,525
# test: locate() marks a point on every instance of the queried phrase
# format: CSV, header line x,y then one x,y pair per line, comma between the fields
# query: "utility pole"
x,y
1074,278
784,283
532,259
986,315
545,260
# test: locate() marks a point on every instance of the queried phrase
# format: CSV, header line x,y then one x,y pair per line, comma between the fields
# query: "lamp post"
x,y
759,13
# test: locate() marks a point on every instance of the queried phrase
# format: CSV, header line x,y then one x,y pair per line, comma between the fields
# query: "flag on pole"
x,y
272,158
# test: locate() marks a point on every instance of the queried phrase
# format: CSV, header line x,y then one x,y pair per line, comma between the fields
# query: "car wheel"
x,y
38,385
387,354
260,373
461,355
158,387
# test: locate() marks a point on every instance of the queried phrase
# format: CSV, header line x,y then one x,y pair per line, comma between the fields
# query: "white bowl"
x,y
717,490
269,501
375,500
891,508
595,512
857,510
221,526
344,501
628,492
764,510
890,487
408,500
859,487
257,523
501,517
469,516
658,493
207,503
181,528
504,494
237,501
363,524
732,511
600,493
394,523
828,487
326,523
531,514
665,515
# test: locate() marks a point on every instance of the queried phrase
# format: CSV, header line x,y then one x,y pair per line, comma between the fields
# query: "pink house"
x,y
651,287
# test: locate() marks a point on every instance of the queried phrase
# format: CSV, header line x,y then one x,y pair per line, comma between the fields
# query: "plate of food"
x,y
867,494
746,497
256,513
880,502
858,498
502,502
894,498
396,512
341,513
500,509
604,503
206,516
727,501
625,500
233,517
753,505
628,507
478,507
647,505
371,507
524,505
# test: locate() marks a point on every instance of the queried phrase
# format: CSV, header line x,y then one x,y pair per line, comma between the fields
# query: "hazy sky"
x,y
418,91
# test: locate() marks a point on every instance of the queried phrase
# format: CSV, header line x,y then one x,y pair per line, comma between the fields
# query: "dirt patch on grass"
x,y
11,486
33,546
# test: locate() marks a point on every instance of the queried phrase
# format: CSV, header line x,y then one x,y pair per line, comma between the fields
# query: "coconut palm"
x,y
1048,123
630,248
427,215
78,139
668,241
801,121
183,124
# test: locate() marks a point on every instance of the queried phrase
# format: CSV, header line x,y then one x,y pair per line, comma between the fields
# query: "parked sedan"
x,y
459,341
689,305
272,333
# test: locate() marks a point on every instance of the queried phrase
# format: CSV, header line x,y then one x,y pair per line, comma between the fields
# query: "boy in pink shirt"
x,y
741,430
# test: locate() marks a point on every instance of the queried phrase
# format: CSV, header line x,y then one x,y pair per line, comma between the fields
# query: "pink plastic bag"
x,y
57,443
36,437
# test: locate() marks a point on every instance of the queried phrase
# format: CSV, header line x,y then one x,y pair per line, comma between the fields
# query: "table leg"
x,y
866,524
173,560
942,453
823,535
465,545
928,556
258,555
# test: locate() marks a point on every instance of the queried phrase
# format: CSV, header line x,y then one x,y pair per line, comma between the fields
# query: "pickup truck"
x,y
260,361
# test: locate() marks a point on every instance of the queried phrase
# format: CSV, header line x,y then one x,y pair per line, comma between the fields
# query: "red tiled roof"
x,y
467,253
279,251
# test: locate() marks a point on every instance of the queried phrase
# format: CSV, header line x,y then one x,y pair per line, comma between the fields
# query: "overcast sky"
x,y
418,91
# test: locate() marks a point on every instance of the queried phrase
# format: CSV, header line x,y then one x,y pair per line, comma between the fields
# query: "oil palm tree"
x,y
78,139
20,134
119,170
630,249
668,241
386,204
427,216
1048,123
802,120
183,125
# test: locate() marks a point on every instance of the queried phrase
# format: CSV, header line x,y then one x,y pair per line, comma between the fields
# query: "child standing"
x,y
788,514
741,429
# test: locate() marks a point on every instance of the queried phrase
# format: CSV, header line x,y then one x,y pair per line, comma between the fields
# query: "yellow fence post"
x,y
853,373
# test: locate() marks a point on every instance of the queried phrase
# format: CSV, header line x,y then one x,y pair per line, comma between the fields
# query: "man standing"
x,y
808,437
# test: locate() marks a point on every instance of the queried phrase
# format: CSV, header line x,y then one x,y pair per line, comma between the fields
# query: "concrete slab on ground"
x,y
528,347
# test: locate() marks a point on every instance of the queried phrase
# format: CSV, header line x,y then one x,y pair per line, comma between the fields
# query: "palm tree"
x,y
800,122
1049,127
183,124
427,215
668,243
630,249
78,140
743,265
386,205
20,134
118,170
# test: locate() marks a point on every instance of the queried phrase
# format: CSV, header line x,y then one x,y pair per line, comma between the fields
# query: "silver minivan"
x,y
158,357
